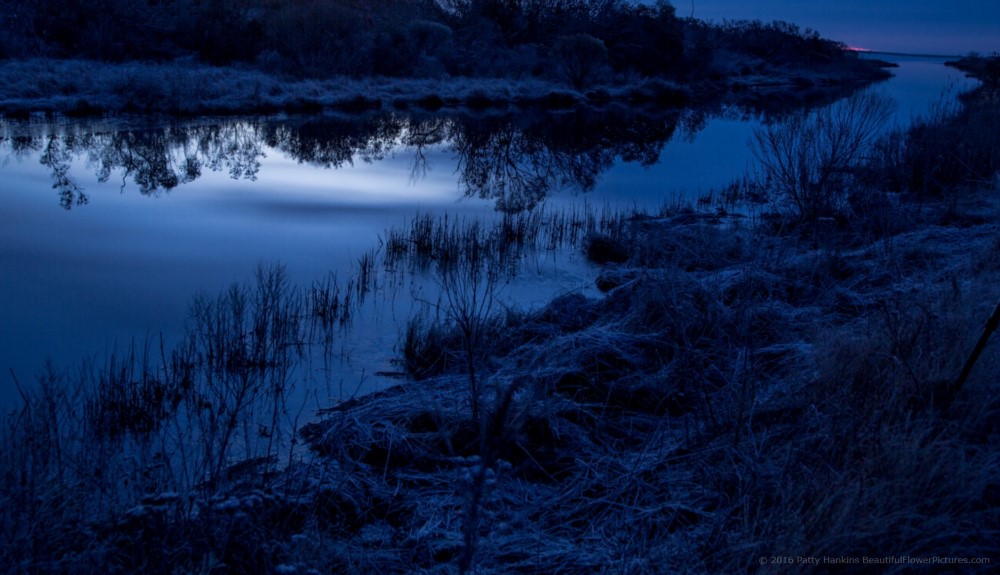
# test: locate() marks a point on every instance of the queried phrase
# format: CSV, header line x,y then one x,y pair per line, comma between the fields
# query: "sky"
x,y
946,27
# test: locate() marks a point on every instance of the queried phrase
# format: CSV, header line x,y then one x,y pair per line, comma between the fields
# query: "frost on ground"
x,y
749,386
778,395
188,87
740,390
82,87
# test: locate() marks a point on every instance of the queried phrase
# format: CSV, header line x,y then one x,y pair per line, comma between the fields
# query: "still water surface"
x,y
108,228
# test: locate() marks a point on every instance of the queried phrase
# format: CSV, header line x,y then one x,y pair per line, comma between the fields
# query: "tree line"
x,y
580,42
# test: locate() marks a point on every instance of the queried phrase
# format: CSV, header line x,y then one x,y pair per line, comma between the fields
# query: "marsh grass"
x,y
158,441
123,401
865,459
712,408
145,439
741,390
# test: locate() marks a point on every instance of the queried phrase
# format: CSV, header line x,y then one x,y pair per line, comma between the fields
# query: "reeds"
x,y
126,398
193,420
427,240
210,414
743,393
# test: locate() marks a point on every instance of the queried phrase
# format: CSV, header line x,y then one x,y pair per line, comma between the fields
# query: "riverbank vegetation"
x,y
252,56
758,380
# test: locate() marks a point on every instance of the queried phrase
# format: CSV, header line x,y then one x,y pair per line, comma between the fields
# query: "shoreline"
x,y
748,390
81,88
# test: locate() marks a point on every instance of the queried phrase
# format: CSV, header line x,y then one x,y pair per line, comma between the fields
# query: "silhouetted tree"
x,y
646,39
581,59
224,31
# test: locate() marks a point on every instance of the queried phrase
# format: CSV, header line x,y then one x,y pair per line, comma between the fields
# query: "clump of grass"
x,y
126,402
428,241
428,349
329,302
131,452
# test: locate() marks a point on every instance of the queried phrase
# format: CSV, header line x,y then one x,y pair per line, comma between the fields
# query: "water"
x,y
924,27
922,85
109,228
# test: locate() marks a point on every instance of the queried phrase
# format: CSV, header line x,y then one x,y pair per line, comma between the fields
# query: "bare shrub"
x,y
245,344
809,160
470,284
581,59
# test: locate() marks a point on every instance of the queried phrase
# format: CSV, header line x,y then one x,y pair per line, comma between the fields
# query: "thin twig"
x,y
988,329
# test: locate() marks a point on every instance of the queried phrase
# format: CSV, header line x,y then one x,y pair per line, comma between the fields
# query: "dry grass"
x,y
751,390
759,396
185,87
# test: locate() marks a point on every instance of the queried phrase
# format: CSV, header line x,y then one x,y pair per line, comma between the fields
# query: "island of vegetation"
x,y
191,57
793,372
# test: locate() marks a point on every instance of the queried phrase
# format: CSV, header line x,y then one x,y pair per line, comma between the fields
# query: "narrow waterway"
x,y
110,227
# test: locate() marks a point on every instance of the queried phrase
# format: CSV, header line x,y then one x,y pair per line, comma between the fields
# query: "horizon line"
x,y
895,53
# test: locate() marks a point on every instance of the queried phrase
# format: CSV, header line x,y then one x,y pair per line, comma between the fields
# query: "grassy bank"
x,y
795,381
255,50
78,87
189,88
781,380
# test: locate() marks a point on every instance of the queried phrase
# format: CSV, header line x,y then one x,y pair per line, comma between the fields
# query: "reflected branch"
x,y
57,157
519,164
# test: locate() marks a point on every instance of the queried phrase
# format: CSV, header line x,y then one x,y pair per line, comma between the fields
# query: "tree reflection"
x,y
56,155
519,162
234,146
499,161
330,142
421,136
515,161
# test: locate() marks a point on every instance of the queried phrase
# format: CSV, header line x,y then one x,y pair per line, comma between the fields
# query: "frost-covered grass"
x,y
736,391
752,385
191,88
741,387
188,87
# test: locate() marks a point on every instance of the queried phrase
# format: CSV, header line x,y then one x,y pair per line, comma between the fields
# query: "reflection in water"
x,y
119,268
516,161
57,156
156,159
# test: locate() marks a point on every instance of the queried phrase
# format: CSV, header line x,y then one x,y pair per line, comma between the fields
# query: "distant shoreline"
x,y
908,54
